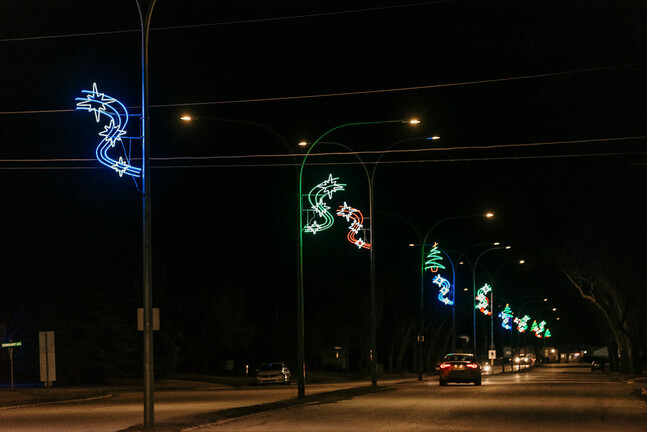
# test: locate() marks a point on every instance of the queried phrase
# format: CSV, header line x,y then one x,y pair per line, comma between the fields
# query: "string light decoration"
x,y
506,316
103,105
433,259
522,323
483,300
351,213
317,204
547,333
445,288
538,328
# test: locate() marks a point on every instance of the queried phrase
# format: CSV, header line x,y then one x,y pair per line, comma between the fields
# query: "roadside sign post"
x,y
10,346
491,355
47,357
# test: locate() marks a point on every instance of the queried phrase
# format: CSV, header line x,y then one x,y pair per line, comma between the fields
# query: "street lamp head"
x,y
554,309
413,122
411,245
489,215
522,261
508,247
434,137
545,299
303,143
186,118
496,244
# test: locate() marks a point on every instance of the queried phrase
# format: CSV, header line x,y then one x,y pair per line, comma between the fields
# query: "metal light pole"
x,y
145,8
423,240
300,315
474,291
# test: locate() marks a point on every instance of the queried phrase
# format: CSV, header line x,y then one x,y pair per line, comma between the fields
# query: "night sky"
x,y
541,108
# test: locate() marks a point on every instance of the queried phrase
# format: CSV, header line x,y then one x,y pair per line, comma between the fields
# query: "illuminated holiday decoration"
x,y
483,300
445,288
117,114
352,214
433,259
538,328
547,333
506,316
522,323
317,204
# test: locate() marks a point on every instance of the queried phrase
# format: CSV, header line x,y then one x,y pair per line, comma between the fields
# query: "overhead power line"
x,y
412,161
354,93
227,23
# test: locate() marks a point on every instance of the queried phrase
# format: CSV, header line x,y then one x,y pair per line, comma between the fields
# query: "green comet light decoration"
x,y
522,323
318,205
434,258
483,300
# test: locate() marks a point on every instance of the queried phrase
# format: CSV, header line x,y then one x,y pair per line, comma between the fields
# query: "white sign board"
x,y
47,357
491,354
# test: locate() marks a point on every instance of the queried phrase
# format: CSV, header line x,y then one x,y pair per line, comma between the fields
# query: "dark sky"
x,y
567,76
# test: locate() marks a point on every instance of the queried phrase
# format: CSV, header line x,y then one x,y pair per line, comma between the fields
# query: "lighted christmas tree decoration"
x,y
433,259
506,316
547,333
356,216
103,105
483,300
445,288
522,323
318,206
538,328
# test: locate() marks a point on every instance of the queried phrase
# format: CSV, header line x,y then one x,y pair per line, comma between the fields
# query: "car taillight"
x,y
445,365
472,365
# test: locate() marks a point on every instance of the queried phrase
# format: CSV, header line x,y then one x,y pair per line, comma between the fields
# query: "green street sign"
x,y
11,344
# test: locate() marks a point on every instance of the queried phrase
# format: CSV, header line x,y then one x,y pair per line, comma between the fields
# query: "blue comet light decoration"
x,y
506,316
445,288
103,105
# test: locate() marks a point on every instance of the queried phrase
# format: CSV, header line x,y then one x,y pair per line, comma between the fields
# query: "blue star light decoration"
x,y
103,105
445,288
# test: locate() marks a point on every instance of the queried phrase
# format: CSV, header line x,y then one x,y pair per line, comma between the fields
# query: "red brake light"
x,y
472,365
445,365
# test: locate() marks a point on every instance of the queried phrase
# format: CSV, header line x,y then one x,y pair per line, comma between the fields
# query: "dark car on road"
x,y
461,368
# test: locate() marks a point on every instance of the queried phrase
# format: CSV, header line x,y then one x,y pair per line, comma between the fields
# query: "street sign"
x,y
491,354
11,344
47,357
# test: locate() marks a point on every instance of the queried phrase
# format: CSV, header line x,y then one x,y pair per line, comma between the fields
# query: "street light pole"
x,y
300,312
149,375
474,291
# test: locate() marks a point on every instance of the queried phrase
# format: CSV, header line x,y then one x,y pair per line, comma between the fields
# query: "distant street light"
x,y
474,290
423,240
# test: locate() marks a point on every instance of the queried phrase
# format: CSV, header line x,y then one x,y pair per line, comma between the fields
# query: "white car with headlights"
x,y
273,373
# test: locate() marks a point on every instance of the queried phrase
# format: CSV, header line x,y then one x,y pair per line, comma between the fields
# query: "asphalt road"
x,y
546,399
124,408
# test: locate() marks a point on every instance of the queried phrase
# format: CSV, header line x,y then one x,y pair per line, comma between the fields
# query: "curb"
x,y
55,402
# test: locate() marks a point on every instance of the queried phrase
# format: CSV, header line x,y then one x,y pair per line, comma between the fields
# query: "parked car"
x,y
459,367
273,373
598,364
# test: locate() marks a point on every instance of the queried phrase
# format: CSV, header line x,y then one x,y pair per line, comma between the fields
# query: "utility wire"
x,y
358,153
292,164
355,93
226,23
